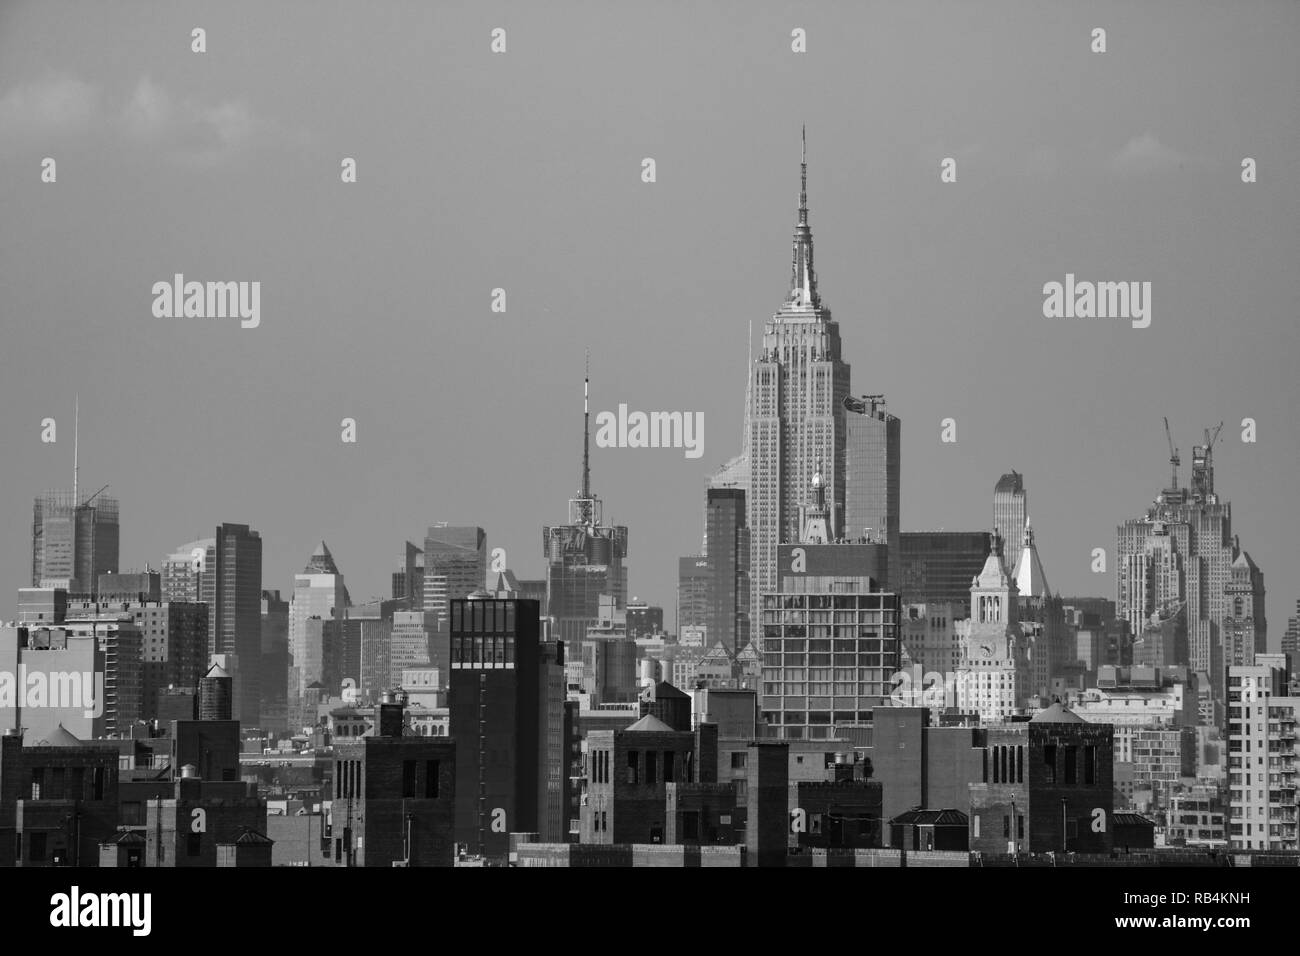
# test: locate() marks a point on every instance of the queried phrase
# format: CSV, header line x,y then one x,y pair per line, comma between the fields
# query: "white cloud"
x,y
148,110
186,128
1145,154
55,104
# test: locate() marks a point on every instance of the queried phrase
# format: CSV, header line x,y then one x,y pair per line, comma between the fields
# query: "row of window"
x,y
67,783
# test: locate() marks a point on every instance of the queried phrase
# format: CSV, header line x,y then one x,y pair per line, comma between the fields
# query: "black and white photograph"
x,y
649,436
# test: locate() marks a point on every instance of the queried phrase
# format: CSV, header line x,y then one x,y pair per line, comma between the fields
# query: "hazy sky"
x,y
523,171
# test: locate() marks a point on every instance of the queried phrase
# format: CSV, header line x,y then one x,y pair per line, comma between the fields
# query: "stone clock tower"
x,y
993,677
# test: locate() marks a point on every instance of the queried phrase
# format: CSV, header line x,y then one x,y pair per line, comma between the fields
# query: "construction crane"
x,y
1211,438
1203,463
92,497
1174,460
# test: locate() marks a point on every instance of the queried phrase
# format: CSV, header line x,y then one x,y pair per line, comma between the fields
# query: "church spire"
x,y
803,278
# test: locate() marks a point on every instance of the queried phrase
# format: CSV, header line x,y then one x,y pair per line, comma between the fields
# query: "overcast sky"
x,y
523,171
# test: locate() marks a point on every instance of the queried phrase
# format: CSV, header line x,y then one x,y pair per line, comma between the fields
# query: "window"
x,y
431,779
97,784
1090,765
738,758
668,766
38,783
651,766
1049,763
690,825
1006,827
633,766
408,778
1070,754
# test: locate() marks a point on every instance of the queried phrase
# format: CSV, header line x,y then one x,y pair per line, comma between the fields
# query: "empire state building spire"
x,y
803,278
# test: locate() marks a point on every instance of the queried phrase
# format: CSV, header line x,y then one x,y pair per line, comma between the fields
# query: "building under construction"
x,y
74,541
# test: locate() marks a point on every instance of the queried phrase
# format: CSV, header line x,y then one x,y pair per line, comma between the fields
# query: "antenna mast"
x,y
76,441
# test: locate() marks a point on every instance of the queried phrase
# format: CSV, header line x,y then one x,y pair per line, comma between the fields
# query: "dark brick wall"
x,y
711,810
1052,807
212,746
767,775
169,825
379,813
68,776
844,814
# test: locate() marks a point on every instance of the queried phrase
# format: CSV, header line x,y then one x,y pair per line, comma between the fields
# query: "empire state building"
x,y
795,413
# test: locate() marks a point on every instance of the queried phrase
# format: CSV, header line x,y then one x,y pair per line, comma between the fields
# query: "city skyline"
x,y
338,284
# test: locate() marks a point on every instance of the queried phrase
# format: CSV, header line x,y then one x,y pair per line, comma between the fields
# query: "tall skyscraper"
x,y
1291,639
1010,512
412,644
1180,555
727,600
275,662
506,703
796,413
319,594
74,536
872,471
182,571
231,586
408,583
694,584
455,565
584,558
74,540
